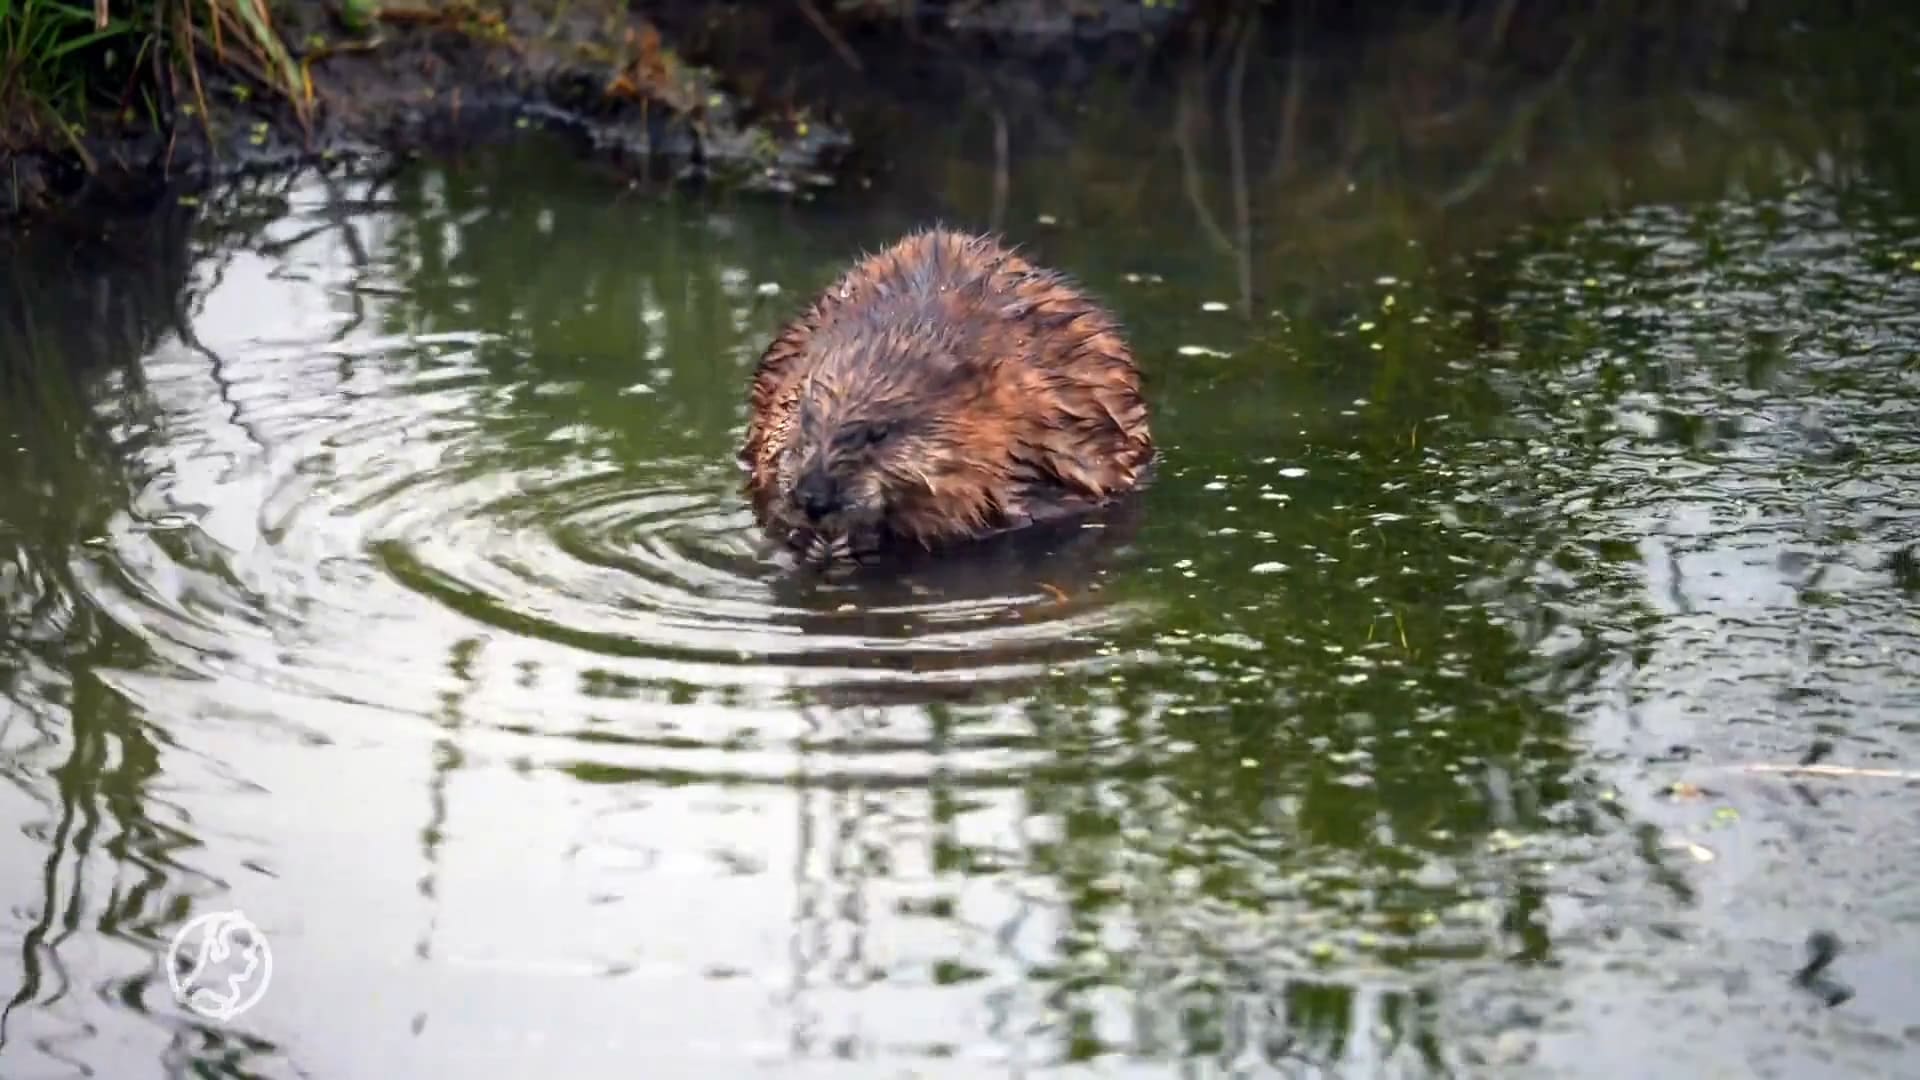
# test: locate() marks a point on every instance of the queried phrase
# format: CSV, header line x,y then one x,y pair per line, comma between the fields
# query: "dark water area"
x,y
1515,669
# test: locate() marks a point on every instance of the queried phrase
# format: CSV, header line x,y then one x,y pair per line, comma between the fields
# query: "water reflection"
x,y
448,654
1720,409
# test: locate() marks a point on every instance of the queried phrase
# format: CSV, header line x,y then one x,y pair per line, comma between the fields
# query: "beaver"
x,y
942,390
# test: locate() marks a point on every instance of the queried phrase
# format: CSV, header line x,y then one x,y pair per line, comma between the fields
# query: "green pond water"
x,y
372,563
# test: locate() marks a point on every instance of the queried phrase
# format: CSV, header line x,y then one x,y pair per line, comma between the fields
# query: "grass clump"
x,y
63,62
51,55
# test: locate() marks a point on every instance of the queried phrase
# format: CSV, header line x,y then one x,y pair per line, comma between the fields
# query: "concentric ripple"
x,y
346,522
660,561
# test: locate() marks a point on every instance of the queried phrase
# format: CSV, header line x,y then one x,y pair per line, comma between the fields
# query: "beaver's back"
x,y
1053,417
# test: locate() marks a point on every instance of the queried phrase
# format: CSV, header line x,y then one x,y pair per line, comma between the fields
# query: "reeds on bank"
x,y
64,64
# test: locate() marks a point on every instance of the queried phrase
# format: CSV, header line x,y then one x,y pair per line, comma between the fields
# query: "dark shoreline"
x,y
406,86
791,97
751,96
673,94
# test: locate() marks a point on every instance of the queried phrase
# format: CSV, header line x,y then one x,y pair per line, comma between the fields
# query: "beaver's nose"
x,y
818,494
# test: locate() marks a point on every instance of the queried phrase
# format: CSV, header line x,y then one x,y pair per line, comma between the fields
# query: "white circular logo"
x,y
219,964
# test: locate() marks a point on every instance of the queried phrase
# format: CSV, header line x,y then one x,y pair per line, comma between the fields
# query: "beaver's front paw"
x,y
865,545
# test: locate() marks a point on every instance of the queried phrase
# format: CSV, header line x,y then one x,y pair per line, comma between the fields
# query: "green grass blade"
x,y
83,41
255,17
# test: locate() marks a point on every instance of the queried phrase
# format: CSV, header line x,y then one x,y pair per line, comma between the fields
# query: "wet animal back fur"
x,y
1037,401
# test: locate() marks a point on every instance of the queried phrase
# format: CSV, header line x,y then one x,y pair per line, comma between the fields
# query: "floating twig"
x,y
1835,771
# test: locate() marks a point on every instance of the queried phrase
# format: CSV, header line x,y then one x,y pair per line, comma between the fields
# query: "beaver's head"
x,y
873,436
844,461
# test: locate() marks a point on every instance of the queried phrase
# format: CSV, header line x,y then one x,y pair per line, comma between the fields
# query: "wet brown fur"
x,y
1009,395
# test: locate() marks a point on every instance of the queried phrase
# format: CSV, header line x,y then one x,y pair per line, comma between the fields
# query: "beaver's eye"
x,y
878,433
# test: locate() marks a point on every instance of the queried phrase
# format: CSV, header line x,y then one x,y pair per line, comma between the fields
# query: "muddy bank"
x,y
413,80
654,91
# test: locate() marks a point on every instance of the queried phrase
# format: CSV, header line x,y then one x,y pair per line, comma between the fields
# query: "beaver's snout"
x,y
819,494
